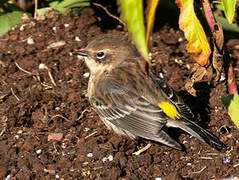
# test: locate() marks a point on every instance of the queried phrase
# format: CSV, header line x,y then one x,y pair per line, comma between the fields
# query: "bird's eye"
x,y
100,55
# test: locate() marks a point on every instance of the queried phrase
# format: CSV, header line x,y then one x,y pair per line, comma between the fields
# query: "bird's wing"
x,y
182,108
131,112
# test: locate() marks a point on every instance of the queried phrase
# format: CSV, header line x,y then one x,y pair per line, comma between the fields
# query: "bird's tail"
x,y
198,132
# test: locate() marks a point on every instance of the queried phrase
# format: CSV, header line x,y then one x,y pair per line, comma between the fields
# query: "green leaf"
x,y
194,33
226,25
150,17
8,20
219,6
63,6
61,10
43,11
132,12
232,104
69,3
229,7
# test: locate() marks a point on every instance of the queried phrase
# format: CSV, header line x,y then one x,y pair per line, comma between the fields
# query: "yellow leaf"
x,y
194,33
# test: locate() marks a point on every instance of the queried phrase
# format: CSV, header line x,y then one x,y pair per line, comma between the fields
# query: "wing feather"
x,y
129,111
183,109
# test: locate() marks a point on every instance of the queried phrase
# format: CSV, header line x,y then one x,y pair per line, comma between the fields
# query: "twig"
x,y
15,95
30,73
231,81
35,10
2,63
38,77
96,168
142,149
213,154
46,85
43,66
111,15
51,77
209,15
4,125
82,113
229,151
25,71
206,158
197,172
58,115
91,134
3,96
235,165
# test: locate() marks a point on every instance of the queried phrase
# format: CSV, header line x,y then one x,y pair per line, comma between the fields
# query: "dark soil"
x,y
33,106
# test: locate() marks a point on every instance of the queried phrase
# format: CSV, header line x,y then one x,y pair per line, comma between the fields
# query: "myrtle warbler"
x,y
131,102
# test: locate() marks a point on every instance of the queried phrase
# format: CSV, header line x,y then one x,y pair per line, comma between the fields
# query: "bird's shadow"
x,y
199,104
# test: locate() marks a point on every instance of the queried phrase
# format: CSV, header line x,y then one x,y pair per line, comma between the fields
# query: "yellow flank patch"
x,y
169,109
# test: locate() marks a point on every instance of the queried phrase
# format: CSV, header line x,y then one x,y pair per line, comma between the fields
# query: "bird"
x,y
131,101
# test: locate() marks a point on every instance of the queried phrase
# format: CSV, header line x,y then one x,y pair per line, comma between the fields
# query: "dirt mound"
x,y
43,92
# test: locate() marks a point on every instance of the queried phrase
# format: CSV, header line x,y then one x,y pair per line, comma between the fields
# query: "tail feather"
x,y
198,132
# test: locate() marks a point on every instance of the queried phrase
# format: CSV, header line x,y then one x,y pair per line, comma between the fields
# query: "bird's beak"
x,y
81,52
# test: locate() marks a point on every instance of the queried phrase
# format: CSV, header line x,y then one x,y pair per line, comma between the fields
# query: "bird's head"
x,y
106,51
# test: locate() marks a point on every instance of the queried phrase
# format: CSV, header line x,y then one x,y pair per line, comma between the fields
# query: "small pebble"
x,y
66,25
56,44
19,132
222,78
30,41
87,129
77,38
54,28
21,28
17,136
57,176
63,145
72,169
188,66
104,159
110,158
8,177
178,61
180,39
57,108
39,151
158,178
86,75
90,155
42,66
161,75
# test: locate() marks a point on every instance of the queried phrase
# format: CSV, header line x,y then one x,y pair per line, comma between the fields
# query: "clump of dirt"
x,y
43,92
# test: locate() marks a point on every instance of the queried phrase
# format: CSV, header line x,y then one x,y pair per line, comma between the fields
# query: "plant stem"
x,y
209,15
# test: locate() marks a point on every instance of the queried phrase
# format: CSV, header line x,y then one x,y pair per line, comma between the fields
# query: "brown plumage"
x,y
132,103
